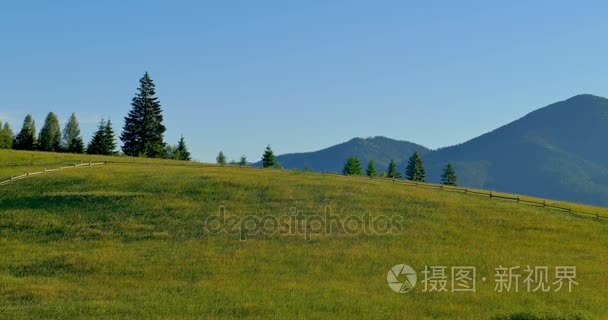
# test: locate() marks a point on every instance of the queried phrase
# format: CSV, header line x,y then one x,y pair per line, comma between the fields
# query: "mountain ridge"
x,y
552,152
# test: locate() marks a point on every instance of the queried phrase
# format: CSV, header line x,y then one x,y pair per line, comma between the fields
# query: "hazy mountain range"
x,y
559,151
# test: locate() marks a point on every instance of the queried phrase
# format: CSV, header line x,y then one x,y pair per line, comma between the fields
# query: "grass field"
x,y
128,241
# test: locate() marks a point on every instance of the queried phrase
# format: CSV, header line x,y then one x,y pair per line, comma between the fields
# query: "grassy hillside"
x,y
127,241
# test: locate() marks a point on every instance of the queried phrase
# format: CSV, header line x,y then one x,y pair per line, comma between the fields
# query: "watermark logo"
x,y
401,278
514,279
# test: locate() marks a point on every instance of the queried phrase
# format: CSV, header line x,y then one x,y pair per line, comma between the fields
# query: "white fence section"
x,y
61,168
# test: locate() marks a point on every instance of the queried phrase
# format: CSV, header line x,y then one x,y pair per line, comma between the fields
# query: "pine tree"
x,y
103,141
268,159
448,177
26,138
415,168
143,130
6,136
181,151
109,139
72,141
371,169
221,159
50,134
393,172
243,161
352,166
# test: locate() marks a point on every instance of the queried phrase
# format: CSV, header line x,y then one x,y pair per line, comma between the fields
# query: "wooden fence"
x,y
45,171
463,190
488,194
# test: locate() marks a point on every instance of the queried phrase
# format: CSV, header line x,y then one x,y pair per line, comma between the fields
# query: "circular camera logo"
x,y
401,278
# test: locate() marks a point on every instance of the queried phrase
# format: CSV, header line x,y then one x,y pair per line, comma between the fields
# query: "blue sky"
x,y
301,75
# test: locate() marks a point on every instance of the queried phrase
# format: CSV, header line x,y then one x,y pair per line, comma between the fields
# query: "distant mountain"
x,y
332,159
559,152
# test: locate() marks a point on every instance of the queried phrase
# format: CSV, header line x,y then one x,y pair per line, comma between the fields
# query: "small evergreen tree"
x,y
243,161
352,166
50,134
6,136
415,168
393,172
448,177
26,138
72,141
268,158
221,159
109,138
143,130
103,141
371,169
181,151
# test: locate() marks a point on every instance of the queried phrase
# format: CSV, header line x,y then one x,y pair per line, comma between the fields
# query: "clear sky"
x,y
301,75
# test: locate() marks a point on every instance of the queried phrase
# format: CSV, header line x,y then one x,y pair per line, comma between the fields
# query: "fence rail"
x,y
45,171
463,190
488,194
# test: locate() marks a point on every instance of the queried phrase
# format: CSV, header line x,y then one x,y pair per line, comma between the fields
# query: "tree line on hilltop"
x,y
414,170
142,135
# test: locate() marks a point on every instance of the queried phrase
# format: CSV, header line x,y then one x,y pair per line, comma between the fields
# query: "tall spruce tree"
x,y
415,168
393,172
26,138
144,130
448,177
352,166
6,136
50,134
371,169
72,141
181,151
221,158
268,158
103,141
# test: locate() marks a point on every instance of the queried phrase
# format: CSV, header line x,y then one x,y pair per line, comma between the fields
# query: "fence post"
x,y
89,163
517,198
490,194
597,216
544,203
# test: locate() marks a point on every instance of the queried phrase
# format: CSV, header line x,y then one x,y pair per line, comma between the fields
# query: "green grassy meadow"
x,y
127,240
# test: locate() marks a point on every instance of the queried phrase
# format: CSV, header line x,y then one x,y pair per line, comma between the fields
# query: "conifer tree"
x,y
243,161
221,159
448,177
144,130
109,138
103,141
371,169
415,168
50,134
6,136
26,138
268,158
72,141
181,151
393,172
352,166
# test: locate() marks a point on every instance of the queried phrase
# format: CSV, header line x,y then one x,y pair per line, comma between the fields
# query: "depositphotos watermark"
x,y
300,223
402,278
